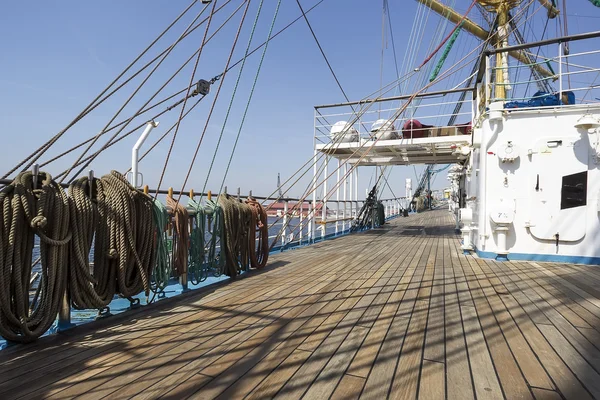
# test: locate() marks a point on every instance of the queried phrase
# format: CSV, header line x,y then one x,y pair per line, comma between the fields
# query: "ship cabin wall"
x,y
535,168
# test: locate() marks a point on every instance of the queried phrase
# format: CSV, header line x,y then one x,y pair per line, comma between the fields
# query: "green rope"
x,y
216,261
161,272
197,268
250,97
442,60
237,82
595,2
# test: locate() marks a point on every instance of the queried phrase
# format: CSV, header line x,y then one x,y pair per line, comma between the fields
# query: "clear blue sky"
x,y
58,55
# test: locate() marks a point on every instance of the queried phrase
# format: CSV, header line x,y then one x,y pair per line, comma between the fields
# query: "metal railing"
x,y
427,115
573,74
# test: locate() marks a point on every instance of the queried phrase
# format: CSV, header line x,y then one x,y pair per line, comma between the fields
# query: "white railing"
x,y
566,78
444,113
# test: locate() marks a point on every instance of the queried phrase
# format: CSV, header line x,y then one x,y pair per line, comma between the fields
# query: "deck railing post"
x,y
560,69
301,221
324,201
345,196
351,192
311,222
285,222
337,198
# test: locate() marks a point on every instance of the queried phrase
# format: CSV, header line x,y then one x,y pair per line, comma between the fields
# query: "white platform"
x,y
428,150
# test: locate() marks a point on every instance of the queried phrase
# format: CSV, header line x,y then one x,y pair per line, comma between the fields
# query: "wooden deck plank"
x,y
459,381
349,388
432,383
257,373
351,298
382,373
561,374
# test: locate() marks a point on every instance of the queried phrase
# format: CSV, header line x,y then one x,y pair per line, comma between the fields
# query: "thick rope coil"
x,y
162,268
127,231
26,212
216,221
237,216
181,238
259,255
89,286
198,268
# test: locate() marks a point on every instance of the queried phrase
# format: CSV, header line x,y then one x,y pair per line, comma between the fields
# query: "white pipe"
x,y
483,156
135,152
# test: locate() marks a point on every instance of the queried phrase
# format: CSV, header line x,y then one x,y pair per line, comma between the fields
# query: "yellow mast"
x,y
499,39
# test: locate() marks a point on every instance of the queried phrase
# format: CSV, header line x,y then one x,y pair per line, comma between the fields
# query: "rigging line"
x,y
364,108
236,63
382,50
322,52
119,124
160,139
387,4
41,150
114,140
222,79
448,36
324,56
249,99
397,115
235,88
192,77
129,100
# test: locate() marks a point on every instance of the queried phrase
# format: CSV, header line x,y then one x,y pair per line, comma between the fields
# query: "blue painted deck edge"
x,y
542,257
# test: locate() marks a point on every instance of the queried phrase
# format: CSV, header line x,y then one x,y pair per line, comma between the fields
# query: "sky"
x,y
57,56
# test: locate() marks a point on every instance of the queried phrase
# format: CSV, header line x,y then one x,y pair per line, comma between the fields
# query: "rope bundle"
x,y
89,286
26,212
162,268
217,219
237,218
181,239
126,233
258,224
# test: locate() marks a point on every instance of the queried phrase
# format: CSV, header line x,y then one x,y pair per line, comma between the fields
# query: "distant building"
x,y
277,209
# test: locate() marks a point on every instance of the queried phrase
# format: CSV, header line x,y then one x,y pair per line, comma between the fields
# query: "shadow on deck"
x,y
396,312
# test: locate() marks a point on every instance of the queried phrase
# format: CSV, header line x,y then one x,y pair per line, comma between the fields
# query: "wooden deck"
x,y
397,312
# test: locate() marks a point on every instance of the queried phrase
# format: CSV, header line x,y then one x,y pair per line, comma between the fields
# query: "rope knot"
x,y
113,254
39,222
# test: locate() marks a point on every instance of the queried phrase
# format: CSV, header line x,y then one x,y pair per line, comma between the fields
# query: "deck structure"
x,y
394,312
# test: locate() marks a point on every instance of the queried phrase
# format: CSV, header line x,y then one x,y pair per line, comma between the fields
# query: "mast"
x,y
499,38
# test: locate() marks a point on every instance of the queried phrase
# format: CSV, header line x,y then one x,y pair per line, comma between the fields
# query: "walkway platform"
x,y
396,312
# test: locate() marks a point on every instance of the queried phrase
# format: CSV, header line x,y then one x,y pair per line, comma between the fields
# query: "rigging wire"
x,y
248,103
115,140
66,174
235,88
40,151
446,73
111,142
222,79
192,77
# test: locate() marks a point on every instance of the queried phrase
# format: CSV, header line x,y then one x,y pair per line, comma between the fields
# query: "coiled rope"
x,y
237,216
128,231
162,267
217,262
27,212
89,286
258,224
198,268
181,238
